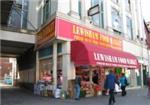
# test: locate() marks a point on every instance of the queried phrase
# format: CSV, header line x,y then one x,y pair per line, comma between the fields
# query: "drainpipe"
x,y
148,62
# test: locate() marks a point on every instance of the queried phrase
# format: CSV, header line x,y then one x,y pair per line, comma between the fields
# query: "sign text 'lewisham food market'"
x,y
68,30
102,59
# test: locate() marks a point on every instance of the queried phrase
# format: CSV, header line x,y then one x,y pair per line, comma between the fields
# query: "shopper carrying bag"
x,y
123,82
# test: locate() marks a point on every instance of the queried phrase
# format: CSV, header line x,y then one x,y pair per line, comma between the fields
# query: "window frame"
x,y
129,24
115,1
46,10
100,15
115,15
128,5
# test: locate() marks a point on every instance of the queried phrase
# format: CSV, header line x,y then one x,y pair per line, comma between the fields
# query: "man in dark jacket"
x,y
77,87
110,85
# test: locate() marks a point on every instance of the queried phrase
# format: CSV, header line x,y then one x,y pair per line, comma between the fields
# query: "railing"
x,y
17,29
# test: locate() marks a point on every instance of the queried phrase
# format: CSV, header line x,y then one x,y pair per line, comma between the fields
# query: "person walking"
x,y
77,87
123,82
148,84
110,85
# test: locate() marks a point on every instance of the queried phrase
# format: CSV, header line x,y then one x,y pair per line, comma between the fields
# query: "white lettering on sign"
x,y
114,59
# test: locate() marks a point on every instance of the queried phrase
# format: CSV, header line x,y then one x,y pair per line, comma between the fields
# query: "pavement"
x,y
17,96
4,85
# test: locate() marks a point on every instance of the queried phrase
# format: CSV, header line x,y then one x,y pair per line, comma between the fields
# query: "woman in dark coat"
x,y
110,85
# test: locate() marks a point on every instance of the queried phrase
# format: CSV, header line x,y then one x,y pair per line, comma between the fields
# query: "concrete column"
x,y
37,66
66,64
55,65
142,76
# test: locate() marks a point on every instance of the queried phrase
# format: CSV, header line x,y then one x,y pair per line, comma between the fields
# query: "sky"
x,y
146,9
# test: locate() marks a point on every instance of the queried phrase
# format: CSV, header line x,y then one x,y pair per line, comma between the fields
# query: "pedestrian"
x,y
77,87
110,85
148,84
123,82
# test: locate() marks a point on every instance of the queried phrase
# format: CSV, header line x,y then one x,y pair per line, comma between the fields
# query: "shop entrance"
x,y
145,74
93,79
7,71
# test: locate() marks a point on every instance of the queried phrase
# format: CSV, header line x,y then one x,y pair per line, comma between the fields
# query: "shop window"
x,y
59,48
95,77
86,76
59,62
46,52
45,67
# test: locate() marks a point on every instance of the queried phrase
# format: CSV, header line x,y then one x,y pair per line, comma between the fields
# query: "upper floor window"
x,y
116,1
128,5
19,14
39,9
94,2
129,27
46,10
79,7
98,18
116,20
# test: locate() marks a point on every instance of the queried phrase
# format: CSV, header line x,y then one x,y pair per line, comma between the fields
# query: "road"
x,y
17,96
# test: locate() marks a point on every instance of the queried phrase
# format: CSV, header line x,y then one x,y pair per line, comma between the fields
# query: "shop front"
x,y
93,63
69,48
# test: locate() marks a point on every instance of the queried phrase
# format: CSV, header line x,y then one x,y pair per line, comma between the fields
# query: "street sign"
x,y
93,10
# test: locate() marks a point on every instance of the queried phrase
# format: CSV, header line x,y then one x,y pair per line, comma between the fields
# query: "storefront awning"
x,y
83,53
